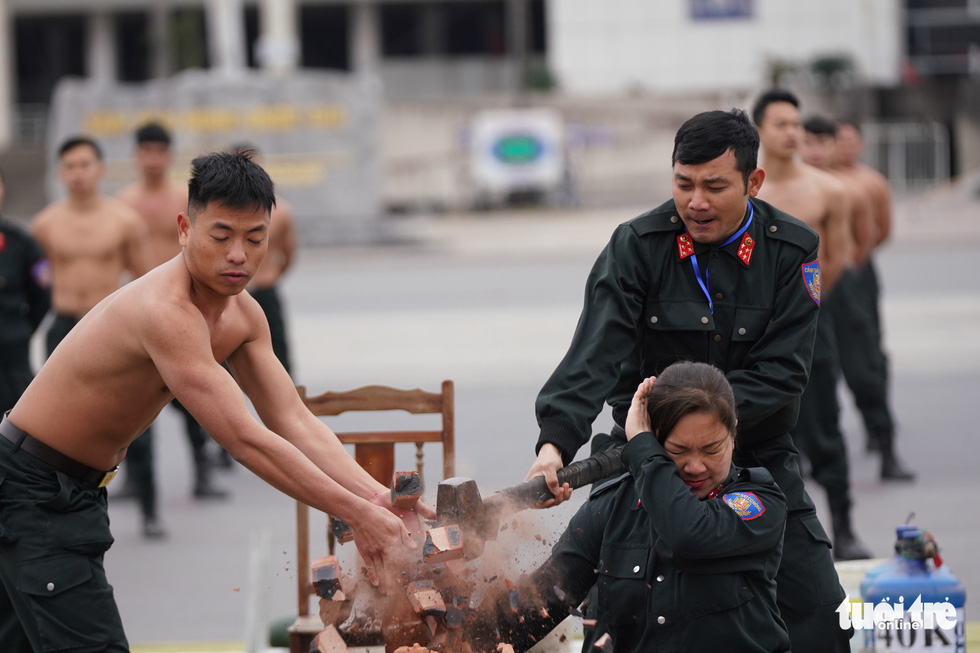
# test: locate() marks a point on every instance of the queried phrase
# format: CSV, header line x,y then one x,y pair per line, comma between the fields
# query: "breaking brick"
x,y
414,648
406,488
326,576
334,611
342,531
602,641
329,641
426,600
504,648
441,544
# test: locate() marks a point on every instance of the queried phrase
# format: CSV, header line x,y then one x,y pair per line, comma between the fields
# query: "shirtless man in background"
x,y
820,200
89,239
155,339
863,359
158,199
282,249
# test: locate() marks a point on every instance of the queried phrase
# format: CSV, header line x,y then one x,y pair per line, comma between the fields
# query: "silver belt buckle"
x,y
107,478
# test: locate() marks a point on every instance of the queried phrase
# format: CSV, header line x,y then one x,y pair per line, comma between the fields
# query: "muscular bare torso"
x,y
103,375
159,208
818,199
89,249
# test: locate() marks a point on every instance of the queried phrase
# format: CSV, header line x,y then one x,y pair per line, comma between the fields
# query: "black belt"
x,y
23,441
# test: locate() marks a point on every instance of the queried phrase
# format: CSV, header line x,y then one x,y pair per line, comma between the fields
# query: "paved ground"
x,y
490,300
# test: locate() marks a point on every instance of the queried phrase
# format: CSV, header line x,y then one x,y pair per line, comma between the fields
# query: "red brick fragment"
x,y
406,488
441,544
330,641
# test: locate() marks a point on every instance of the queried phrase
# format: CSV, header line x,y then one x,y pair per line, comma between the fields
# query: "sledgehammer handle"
x,y
588,470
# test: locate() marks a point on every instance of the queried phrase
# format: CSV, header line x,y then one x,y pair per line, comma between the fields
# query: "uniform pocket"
x,y
621,584
703,594
679,316
71,601
78,520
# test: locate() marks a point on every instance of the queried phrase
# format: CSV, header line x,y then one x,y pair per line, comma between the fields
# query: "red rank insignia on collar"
x,y
685,246
745,248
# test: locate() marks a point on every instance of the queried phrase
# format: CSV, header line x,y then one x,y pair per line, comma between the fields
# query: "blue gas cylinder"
x,y
916,603
874,572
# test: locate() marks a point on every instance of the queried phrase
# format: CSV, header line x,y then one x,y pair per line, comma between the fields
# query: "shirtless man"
x,y
282,249
817,198
90,240
863,359
159,337
158,199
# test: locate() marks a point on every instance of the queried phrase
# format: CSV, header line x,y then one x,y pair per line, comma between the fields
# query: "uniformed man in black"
x,y
25,297
717,276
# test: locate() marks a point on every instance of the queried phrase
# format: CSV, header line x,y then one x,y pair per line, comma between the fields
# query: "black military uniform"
x,y
25,297
645,309
54,532
673,573
865,364
819,437
268,299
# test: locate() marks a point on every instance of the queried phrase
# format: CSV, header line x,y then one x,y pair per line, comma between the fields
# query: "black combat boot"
x,y
846,544
204,487
892,469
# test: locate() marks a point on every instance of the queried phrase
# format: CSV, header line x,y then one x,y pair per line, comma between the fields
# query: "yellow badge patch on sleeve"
x,y
746,504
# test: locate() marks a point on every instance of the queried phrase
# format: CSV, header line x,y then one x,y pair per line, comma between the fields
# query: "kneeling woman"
x,y
684,549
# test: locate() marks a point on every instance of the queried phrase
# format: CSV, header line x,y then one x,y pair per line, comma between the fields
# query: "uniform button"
x,y
661,620
636,569
50,587
717,337
704,320
653,319
718,295
674,219
660,579
772,228
741,331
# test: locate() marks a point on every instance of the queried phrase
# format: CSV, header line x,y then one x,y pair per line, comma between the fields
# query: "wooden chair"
x,y
375,452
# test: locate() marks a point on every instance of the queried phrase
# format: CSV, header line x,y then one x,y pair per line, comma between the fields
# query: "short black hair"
x,y
153,132
244,147
710,134
820,126
687,387
72,142
772,96
230,179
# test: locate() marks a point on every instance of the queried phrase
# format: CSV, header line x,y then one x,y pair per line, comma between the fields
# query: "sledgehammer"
x,y
458,500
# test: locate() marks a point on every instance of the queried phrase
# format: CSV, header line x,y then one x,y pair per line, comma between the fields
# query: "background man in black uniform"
x,y
717,277
25,297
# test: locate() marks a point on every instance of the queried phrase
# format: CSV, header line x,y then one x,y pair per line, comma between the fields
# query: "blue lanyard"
x,y
706,281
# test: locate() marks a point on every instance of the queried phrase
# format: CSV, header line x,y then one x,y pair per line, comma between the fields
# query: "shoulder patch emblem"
x,y
811,278
745,504
745,248
685,246
41,273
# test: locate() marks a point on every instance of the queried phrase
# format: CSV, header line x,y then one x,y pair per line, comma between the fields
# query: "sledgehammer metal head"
x,y
458,501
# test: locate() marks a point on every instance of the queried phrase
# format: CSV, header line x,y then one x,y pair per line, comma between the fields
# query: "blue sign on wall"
x,y
721,9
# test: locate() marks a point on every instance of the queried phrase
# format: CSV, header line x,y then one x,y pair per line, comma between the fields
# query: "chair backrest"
x,y
374,450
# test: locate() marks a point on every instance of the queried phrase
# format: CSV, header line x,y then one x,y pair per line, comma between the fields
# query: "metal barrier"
x,y
913,156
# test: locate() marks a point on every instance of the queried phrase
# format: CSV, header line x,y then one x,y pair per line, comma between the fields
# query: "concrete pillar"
x,y
6,78
365,39
278,47
100,55
226,35
162,55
